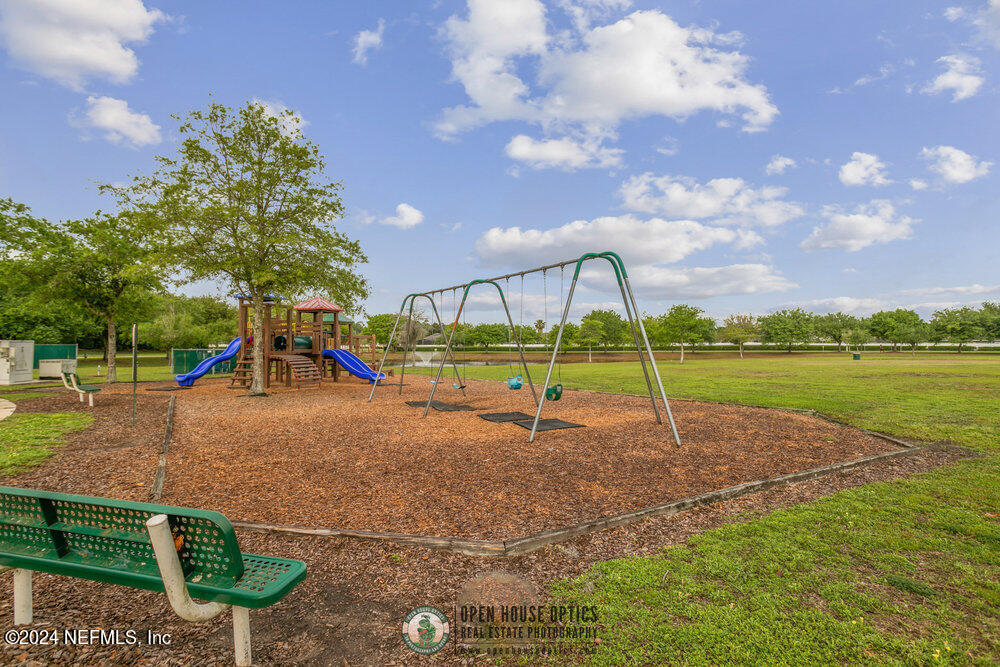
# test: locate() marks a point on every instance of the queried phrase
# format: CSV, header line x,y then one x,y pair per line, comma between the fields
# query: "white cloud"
x,y
585,12
726,200
406,217
695,282
670,146
962,76
958,290
71,41
642,241
872,223
954,165
844,304
779,164
864,169
118,123
643,65
290,121
986,21
918,184
884,72
564,153
367,40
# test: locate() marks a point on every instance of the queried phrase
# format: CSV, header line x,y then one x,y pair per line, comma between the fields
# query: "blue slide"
x,y
353,365
187,379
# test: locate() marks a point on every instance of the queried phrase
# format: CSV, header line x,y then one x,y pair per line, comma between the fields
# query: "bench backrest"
x,y
109,536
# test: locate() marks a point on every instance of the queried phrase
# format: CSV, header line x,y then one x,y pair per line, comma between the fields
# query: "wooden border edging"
x,y
156,490
521,545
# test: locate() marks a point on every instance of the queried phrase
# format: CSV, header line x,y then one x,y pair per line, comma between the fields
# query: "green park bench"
x,y
185,553
72,381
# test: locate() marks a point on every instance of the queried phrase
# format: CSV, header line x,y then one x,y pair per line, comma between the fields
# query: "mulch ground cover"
x,y
327,457
348,610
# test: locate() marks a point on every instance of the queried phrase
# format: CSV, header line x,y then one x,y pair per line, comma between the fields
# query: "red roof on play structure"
x,y
317,304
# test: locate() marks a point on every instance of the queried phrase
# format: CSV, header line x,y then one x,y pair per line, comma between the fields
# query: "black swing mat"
x,y
442,407
167,388
548,424
498,417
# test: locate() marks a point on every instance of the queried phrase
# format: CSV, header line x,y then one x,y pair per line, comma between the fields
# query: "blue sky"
x,y
741,156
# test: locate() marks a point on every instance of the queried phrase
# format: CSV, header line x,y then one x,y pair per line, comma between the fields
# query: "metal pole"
x,y
22,597
135,366
437,378
652,361
638,349
385,354
454,364
409,326
552,362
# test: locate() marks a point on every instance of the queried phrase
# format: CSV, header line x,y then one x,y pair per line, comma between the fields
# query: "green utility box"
x,y
857,357
185,360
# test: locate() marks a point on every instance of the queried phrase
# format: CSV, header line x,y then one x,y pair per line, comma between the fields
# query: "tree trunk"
x,y
838,346
112,353
960,348
741,350
260,365
682,353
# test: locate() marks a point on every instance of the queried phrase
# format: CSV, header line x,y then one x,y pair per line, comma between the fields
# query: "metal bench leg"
x,y
81,396
90,397
173,577
241,636
22,597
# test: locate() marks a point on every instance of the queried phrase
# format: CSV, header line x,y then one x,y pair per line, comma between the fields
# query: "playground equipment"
x,y
302,345
554,392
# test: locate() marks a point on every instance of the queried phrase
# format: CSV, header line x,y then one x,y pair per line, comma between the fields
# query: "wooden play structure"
x,y
295,338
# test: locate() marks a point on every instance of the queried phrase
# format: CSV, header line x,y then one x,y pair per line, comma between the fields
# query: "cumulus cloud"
x,y
844,304
407,217
644,241
954,165
564,153
71,41
868,224
918,184
864,169
726,200
698,282
642,65
367,40
985,21
962,77
779,164
118,123
957,290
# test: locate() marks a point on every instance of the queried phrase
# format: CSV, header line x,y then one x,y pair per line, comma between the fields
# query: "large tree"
x,y
685,324
787,327
246,201
835,327
614,328
956,325
739,329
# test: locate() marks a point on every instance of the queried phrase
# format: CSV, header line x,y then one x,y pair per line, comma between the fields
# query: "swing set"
x,y
551,392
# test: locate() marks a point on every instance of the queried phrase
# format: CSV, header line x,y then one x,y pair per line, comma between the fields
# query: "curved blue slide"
x,y
353,365
187,379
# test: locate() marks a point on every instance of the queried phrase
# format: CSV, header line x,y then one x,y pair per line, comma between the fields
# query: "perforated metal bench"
x,y
185,553
72,381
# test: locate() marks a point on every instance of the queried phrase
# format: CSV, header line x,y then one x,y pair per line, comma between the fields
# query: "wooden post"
x,y
336,345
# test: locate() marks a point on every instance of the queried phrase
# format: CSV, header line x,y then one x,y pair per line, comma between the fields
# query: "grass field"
x,y
901,572
28,439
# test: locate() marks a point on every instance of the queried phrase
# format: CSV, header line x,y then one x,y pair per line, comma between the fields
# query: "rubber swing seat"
x,y
554,393
515,382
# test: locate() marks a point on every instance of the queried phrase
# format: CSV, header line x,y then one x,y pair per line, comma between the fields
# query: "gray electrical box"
x,y
16,360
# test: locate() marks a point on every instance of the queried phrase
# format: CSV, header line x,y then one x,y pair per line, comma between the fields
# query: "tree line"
x,y
689,326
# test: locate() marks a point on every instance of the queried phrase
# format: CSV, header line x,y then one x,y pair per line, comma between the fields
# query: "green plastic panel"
x,y
184,361
47,351
106,540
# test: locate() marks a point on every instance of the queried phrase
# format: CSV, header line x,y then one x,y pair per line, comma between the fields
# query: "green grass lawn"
x,y
899,572
28,439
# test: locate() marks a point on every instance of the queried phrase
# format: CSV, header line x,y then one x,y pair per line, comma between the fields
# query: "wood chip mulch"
x,y
327,457
349,608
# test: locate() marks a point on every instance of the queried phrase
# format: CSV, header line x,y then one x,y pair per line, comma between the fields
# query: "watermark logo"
x,y
426,630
